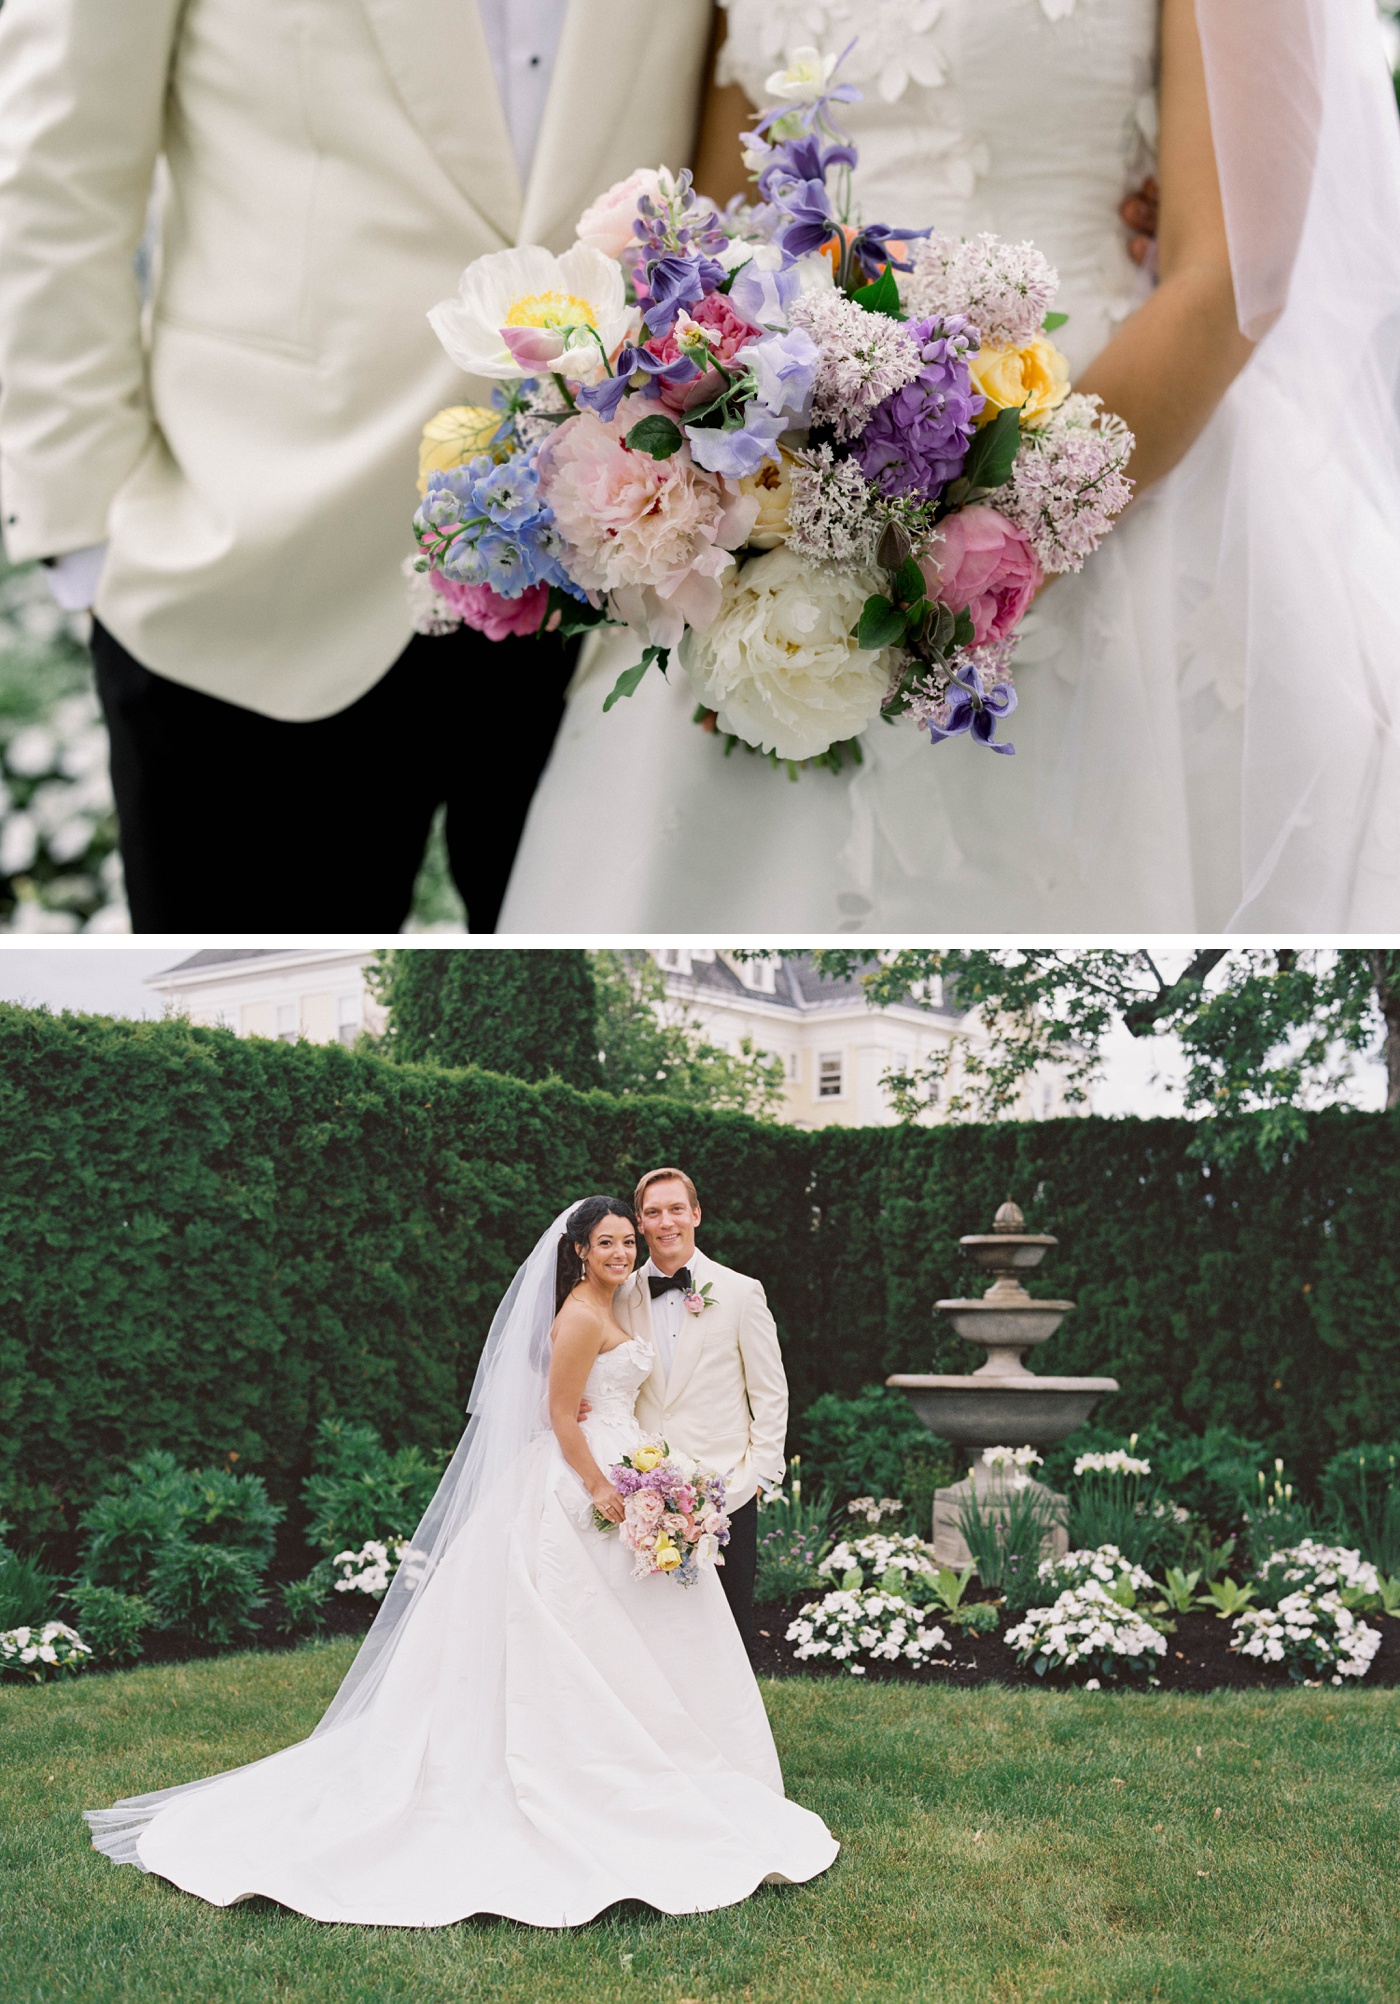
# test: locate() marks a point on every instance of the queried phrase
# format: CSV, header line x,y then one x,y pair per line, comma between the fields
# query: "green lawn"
x,y
1000,1845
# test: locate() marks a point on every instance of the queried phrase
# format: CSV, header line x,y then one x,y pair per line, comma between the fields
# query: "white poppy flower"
x,y
526,312
804,80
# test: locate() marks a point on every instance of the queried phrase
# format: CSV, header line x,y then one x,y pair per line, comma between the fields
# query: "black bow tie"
x,y
662,1283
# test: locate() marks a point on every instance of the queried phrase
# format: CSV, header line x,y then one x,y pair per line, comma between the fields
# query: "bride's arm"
x,y
577,1341
1169,365
719,166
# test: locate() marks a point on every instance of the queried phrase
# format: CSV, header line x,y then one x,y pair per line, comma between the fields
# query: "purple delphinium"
x,y
917,439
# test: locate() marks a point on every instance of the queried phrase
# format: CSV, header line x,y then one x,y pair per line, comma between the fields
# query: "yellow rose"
x,y
647,1458
1033,379
453,437
771,487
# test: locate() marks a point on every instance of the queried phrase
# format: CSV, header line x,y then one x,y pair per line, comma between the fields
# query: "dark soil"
x,y
1198,1657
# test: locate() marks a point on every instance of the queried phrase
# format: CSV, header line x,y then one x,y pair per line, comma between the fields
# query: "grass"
x,y
998,1844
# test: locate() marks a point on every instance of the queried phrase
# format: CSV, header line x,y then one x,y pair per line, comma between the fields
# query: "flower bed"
x,y
1088,1627
1308,1631
882,1627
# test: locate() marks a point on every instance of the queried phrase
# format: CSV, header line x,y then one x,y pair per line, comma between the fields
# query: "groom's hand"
x,y
584,1409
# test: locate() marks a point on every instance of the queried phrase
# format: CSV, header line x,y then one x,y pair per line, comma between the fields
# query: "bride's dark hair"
x,y
578,1231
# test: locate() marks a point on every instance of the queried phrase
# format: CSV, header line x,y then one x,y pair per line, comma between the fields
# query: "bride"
x,y
524,1717
1206,737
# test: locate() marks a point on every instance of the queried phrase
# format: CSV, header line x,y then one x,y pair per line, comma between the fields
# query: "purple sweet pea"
x,y
785,369
736,454
975,710
675,282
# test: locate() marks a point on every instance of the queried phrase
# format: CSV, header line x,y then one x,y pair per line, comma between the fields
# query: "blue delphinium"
x,y
486,524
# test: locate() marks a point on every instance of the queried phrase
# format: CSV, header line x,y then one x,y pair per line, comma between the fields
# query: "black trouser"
x,y
236,822
740,1568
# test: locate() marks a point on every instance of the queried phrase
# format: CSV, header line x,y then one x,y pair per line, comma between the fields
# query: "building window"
x,y
760,977
901,1061
794,1064
349,1024
228,1020
286,1022
829,1082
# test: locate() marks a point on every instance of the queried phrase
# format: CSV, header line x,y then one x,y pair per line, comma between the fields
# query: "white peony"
x,y
778,662
525,312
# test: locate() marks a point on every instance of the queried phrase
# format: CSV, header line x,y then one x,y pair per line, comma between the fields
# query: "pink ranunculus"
x,y
980,560
485,610
606,224
715,312
645,1507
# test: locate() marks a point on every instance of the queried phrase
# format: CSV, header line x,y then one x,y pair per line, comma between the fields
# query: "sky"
x,y
1141,1076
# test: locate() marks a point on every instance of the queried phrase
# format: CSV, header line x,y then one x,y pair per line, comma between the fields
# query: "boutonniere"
x,y
699,1299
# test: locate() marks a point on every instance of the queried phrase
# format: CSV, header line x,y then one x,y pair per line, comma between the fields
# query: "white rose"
x,y
778,662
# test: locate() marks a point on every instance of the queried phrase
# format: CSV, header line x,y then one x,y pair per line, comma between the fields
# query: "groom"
x,y
226,473
717,1389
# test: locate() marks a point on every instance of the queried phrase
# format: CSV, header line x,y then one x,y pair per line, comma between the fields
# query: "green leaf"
x,y
881,624
656,435
1052,321
909,583
964,632
628,682
882,296
992,453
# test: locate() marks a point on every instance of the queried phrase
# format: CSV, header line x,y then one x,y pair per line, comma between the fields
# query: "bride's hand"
x,y
608,1503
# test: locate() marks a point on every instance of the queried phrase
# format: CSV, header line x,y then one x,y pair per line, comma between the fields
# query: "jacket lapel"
x,y
691,1340
441,68
590,93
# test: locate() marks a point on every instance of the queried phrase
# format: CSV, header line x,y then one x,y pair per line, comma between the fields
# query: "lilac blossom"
x,y
1068,483
1007,289
917,439
864,358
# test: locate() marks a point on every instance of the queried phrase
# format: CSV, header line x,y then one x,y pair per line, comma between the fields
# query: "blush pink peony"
x,y
487,612
715,313
606,224
980,560
655,534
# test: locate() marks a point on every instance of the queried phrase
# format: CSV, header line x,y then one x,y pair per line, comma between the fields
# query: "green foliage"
x,y
359,1491
651,1045
1007,1536
210,1244
1106,1508
28,1594
111,1623
1179,1590
304,1602
1229,1598
1277,1518
209,1593
794,1536
527,1012
1361,1486
156,1502
863,1445
630,680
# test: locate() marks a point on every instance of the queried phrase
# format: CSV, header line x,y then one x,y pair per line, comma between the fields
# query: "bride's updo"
x,y
578,1231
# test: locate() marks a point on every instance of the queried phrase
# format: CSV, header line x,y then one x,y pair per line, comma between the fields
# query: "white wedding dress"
x,y
1206,732
548,1736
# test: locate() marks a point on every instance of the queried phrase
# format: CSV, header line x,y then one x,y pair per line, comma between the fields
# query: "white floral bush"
x,y
1087,1629
884,1627
1015,1462
871,1510
370,1569
35,1652
1307,1631
1105,1564
880,1554
1316,1568
1116,1462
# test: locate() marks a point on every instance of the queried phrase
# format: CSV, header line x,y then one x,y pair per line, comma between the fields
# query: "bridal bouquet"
x,y
827,462
675,1520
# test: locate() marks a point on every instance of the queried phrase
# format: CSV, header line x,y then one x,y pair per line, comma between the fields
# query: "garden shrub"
x,y
1089,1628
1361,1487
209,1593
112,1623
864,1445
27,1593
210,1244
359,1491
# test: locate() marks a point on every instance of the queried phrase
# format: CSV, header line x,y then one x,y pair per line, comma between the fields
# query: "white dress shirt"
x,y
668,1313
523,37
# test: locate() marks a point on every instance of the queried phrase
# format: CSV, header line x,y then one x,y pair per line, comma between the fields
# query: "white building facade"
x,y
834,1048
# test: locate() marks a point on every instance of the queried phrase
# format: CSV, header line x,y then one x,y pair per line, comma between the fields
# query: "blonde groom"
x,y
717,1389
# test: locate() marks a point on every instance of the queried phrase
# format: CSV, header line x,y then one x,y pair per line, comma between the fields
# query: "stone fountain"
x,y
1001,1404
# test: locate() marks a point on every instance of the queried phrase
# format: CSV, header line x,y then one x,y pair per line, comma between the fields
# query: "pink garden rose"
x,y
656,534
644,1506
487,612
713,311
606,224
980,560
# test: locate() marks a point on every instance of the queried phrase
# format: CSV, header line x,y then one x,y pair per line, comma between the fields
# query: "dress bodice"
x,y
613,1383
1031,118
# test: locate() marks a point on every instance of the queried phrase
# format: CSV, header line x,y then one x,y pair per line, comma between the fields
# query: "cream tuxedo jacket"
x,y
726,1400
329,168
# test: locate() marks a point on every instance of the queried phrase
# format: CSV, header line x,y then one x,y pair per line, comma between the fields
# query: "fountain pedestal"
x,y
1002,1404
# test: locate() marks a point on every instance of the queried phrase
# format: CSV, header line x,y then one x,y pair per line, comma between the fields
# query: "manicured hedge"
x,y
209,1244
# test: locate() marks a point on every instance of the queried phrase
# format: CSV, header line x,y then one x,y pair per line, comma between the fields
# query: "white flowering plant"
x,y
369,1570
1088,1628
1108,1506
1314,1568
50,1649
874,1510
1310,1631
1105,1565
849,1623
897,1564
